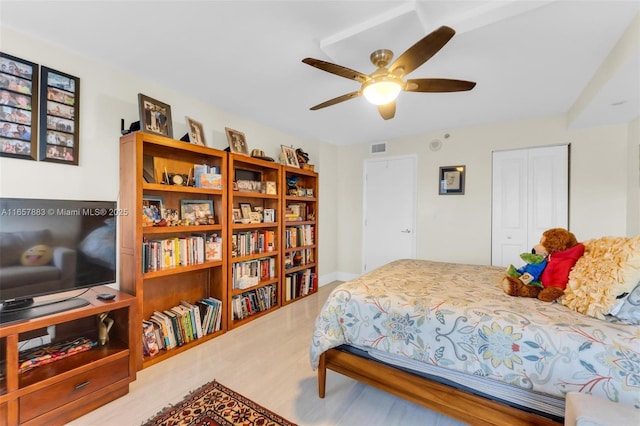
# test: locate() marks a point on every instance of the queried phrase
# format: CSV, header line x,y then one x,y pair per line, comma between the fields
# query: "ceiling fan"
x,y
382,86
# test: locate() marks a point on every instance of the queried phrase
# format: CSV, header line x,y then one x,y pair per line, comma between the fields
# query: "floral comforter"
x,y
456,316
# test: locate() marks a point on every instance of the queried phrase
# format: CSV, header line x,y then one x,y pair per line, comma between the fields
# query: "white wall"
x,y
106,96
633,163
458,228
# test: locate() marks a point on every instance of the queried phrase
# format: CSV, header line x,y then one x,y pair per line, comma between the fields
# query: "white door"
x,y
389,211
530,193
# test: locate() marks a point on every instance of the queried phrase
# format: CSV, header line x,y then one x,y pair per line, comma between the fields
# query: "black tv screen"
x,y
52,246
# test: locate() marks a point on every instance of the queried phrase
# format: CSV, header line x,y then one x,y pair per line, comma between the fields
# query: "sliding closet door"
x,y
530,193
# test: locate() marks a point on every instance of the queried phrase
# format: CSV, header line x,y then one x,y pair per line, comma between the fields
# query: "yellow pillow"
x,y
609,268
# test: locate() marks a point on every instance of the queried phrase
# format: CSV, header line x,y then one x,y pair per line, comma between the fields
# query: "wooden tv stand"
x,y
63,390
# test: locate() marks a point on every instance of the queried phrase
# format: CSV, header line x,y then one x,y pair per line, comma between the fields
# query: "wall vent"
x,y
378,148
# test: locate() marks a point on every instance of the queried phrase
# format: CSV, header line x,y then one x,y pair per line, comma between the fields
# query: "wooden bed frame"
x,y
439,397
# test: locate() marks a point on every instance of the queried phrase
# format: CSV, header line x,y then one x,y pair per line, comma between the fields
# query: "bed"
x,y
445,336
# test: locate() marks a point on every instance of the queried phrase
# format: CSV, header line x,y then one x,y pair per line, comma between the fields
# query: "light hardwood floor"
x,y
267,361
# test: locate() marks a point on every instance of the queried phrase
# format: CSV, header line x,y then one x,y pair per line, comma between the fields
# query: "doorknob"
x,y
406,231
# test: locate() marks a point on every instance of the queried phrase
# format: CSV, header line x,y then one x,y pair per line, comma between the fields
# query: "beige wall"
x,y
598,200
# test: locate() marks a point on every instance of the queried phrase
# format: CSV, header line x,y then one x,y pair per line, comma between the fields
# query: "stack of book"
x,y
181,324
180,251
254,301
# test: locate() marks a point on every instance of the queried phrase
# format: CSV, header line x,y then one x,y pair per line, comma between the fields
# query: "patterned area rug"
x,y
216,405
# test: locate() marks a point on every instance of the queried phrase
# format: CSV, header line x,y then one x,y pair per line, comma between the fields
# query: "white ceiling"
x,y
529,59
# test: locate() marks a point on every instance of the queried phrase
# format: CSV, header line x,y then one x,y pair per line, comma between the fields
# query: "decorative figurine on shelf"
x,y
104,325
303,157
292,184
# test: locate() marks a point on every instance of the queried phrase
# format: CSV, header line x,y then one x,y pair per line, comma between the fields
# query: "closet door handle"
x,y
406,231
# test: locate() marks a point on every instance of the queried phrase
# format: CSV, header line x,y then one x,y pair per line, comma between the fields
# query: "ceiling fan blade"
x,y
337,69
438,85
422,51
387,111
337,100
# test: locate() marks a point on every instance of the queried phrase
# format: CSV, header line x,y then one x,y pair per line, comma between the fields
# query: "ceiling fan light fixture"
x,y
381,90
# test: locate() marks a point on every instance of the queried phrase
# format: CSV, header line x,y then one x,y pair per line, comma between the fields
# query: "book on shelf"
x,y
149,339
299,284
166,253
254,301
181,324
253,242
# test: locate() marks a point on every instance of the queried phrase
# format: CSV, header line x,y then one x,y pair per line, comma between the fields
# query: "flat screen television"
x,y
53,246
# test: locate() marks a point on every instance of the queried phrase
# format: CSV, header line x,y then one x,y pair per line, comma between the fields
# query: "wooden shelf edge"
x,y
237,323
181,269
237,291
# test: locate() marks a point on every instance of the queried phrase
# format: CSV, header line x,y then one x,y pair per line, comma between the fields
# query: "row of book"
x,y
181,324
250,303
250,273
298,236
300,284
180,251
298,258
253,242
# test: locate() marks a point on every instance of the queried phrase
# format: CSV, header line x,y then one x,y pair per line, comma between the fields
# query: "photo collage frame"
x,y
39,112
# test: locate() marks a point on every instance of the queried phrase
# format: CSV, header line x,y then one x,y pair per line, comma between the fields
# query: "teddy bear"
x,y
561,250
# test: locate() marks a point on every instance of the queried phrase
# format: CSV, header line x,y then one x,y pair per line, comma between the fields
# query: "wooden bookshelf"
x,y
162,287
299,216
254,252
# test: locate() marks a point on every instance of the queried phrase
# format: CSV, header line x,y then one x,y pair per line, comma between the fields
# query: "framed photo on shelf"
x,y
152,209
196,132
18,108
237,215
237,141
246,210
269,215
155,116
197,212
59,117
451,180
290,156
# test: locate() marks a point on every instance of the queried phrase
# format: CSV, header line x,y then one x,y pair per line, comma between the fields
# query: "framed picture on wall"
x,y
451,181
155,116
59,117
18,107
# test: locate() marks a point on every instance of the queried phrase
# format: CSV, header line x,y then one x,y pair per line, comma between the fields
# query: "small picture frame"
x,y
255,217
237,215
290,156
246,209
18,108
309,192
269,215
155,116
271,188
196,212
451,180
152,210
237,141
196,132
